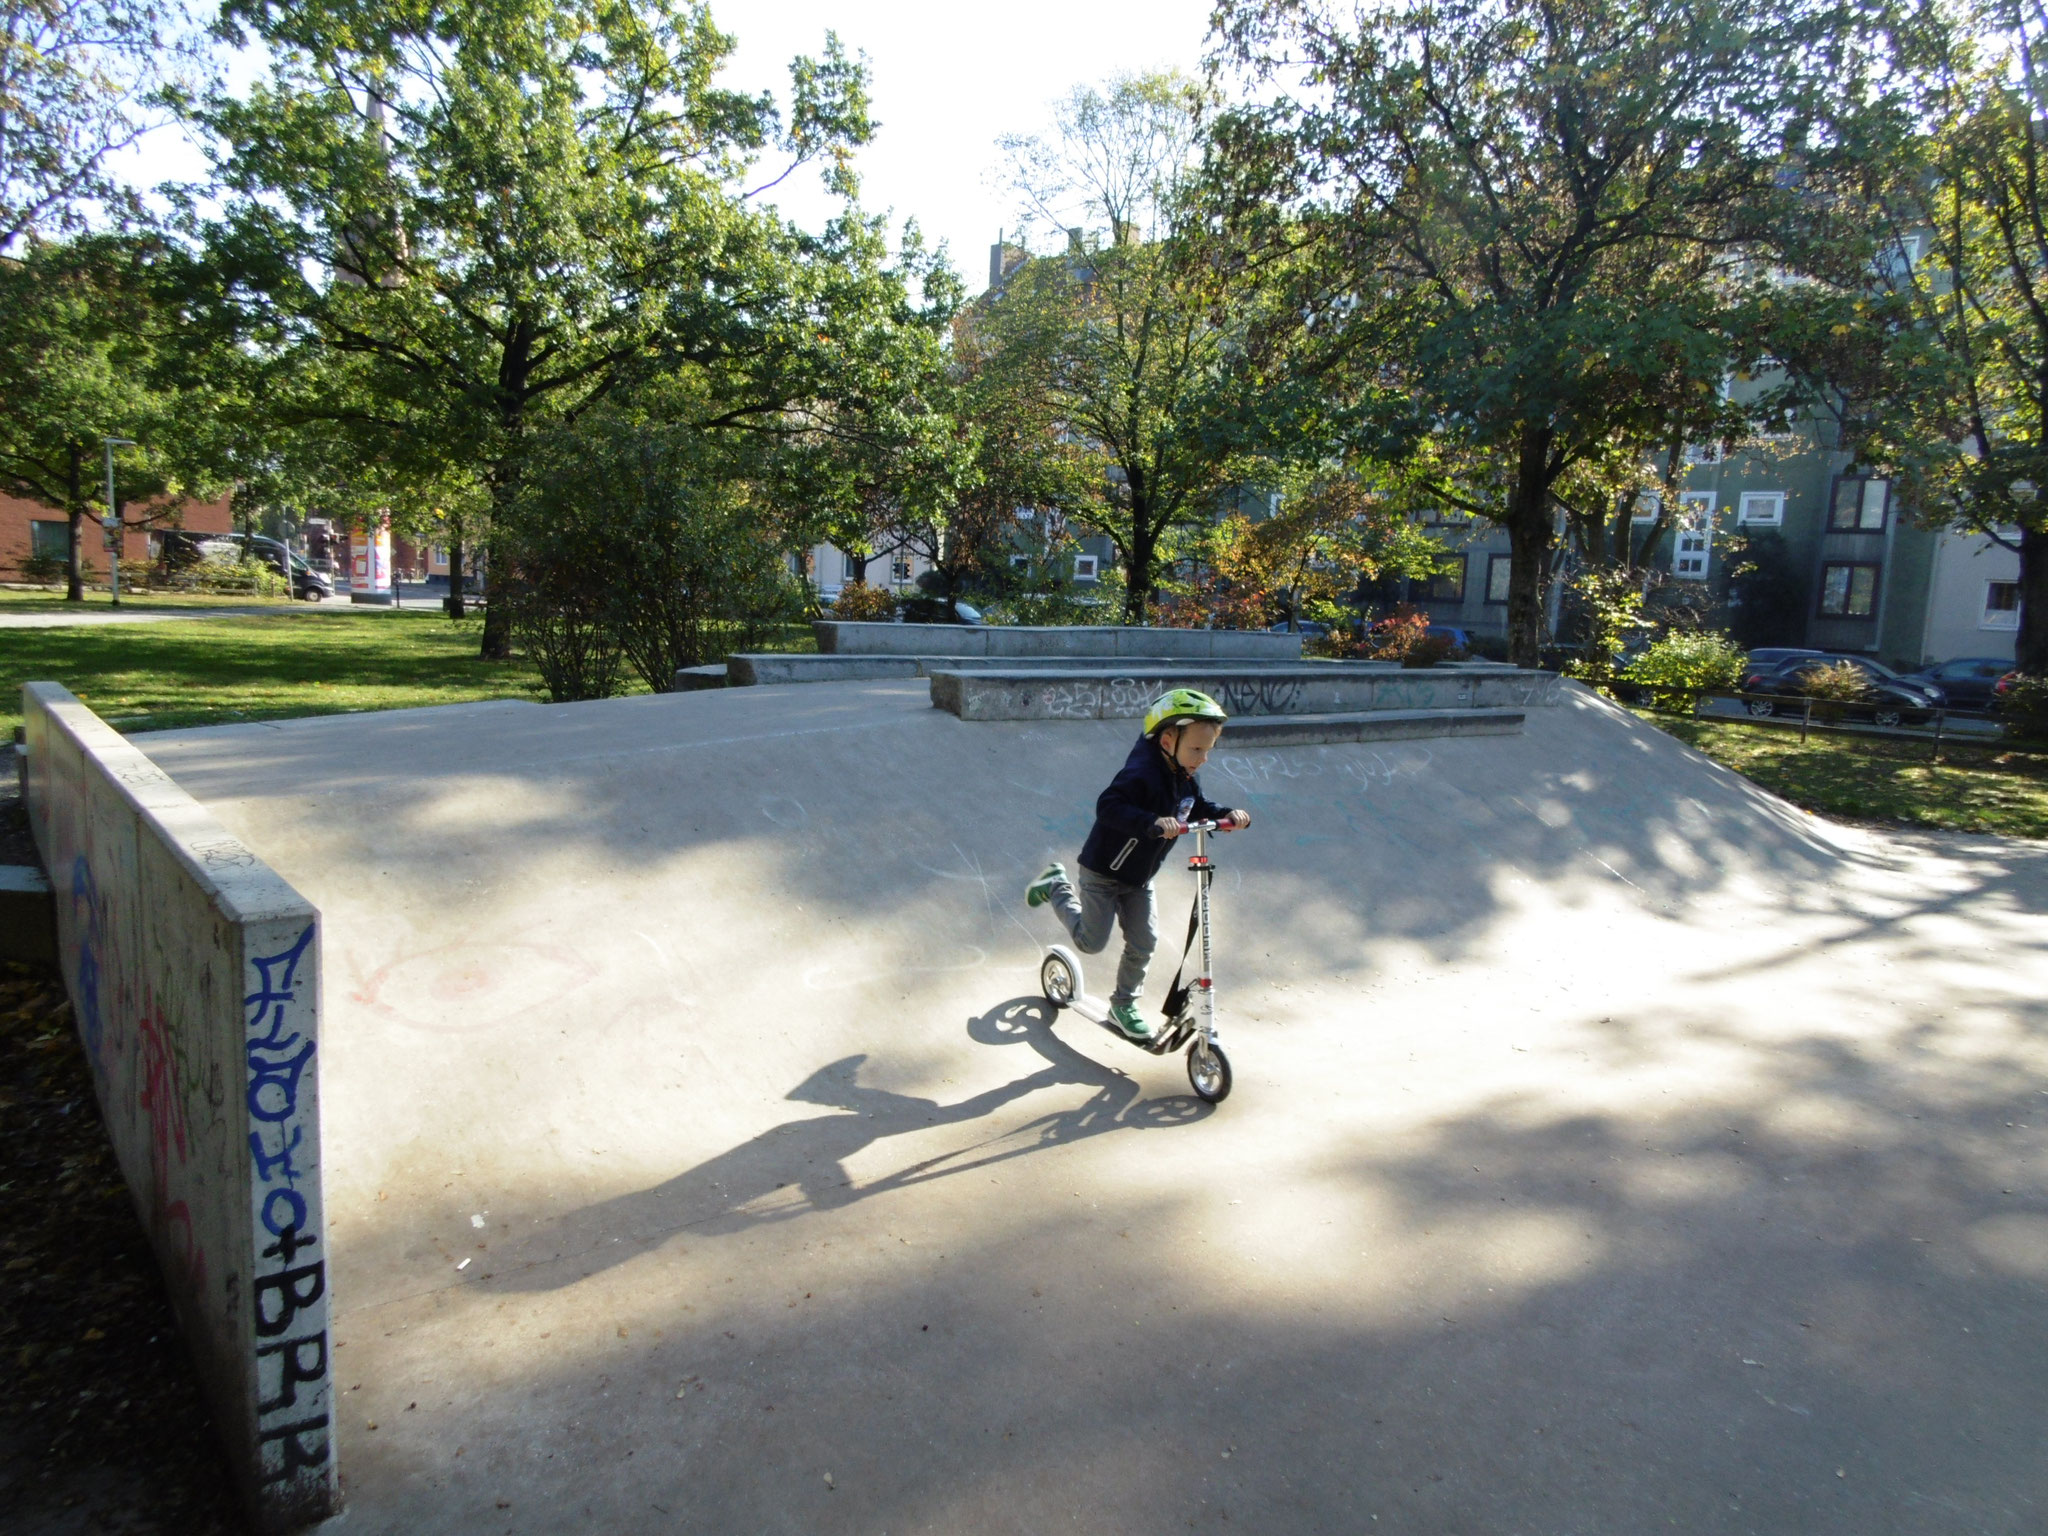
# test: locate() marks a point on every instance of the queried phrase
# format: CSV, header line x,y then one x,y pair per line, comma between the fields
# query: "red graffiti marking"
x,y
163,1105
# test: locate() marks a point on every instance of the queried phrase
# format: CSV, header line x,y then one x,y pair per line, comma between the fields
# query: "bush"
x,y
42,568
635,544
253,578
1698,660
1428,651
2024,710
1394,637
860,603
1833,687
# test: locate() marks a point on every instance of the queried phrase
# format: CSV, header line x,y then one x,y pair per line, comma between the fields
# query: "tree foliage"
x,y
1955,403
1505,220
92,346
1124,330
483,217
81,80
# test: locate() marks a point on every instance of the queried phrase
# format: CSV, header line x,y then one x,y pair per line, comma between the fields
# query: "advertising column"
x,y
370,565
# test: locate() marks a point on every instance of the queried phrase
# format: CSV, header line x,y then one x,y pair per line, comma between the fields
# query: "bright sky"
x,y
947,81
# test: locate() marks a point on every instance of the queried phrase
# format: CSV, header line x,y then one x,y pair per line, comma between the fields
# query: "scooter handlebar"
x,y
1207,826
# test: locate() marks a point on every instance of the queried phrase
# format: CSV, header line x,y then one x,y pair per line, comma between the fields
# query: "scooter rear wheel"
x,y
1056,979
1208,1072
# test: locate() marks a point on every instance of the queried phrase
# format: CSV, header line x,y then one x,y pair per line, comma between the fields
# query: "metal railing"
x,y
1833,716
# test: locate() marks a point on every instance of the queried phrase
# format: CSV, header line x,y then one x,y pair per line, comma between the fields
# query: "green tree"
x,y
1516,210
1957,405
81,80
494,212
1122,333
85,333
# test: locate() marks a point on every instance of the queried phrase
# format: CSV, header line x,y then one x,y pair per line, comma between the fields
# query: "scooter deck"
x,y
1096,1011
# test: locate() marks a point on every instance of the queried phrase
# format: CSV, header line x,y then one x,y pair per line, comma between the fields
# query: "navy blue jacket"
x,y
1124,843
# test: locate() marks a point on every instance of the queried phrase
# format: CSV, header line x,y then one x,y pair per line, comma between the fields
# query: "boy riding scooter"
x,y
1147,805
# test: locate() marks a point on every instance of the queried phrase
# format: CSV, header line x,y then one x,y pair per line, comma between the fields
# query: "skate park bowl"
x,y
1613,1147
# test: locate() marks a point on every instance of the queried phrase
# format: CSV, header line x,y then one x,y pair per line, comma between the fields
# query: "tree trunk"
x,y
1529,540
2032,645
74,588
497,641
1138,579
454,605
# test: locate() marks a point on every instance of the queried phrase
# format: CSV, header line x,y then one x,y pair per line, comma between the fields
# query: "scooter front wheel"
x,y
1057,980
1208,1071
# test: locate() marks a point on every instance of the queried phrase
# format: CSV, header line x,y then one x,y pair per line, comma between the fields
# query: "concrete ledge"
x,y
194,974
28,915
1072,694
762,670
749,669
1376,725
1022,640
691,679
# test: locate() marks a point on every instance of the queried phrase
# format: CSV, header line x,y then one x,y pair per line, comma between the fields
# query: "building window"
x,y
1859,505
1848,590
1761,509
2001,605
1446,586
1087,567
1648,505
1020,562
1499,571
1693,541
49,539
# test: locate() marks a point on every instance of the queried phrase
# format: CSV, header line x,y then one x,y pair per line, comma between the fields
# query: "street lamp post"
x,y
112,521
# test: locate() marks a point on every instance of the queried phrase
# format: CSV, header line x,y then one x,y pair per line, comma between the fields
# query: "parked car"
x,y
1776,655
1890,699
1308,629
308,585
1969,681
1461,640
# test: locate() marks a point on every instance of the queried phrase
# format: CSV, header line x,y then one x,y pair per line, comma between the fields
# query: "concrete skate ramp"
x,y
1613,1148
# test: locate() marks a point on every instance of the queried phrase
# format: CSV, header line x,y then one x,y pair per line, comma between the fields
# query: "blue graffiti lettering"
x,y
294,1212
276,986
274,1085
85,894
270,1164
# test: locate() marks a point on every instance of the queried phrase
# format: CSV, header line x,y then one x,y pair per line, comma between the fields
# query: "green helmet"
x,y
1179,704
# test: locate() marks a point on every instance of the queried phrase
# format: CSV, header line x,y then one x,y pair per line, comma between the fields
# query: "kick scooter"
x,y
1190,1009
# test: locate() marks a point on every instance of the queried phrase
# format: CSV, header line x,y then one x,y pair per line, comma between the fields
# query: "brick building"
x,y
28,528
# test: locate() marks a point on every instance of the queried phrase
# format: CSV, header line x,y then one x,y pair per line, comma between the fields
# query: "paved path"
x,y
1614,1148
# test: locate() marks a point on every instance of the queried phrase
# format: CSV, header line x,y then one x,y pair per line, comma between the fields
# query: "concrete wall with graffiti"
x,y
194,974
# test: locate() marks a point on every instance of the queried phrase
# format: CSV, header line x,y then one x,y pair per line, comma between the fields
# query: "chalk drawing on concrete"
x,y
857,969
458,989
785,812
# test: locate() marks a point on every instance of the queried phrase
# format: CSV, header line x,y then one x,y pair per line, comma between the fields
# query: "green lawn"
x,y
294,659
98,600
267,666
1973,789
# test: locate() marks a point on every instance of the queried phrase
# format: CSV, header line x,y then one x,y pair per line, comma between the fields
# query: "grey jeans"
x,y
1093,907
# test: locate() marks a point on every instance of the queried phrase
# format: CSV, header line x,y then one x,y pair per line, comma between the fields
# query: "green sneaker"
x,y
1039,891
1125,1016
